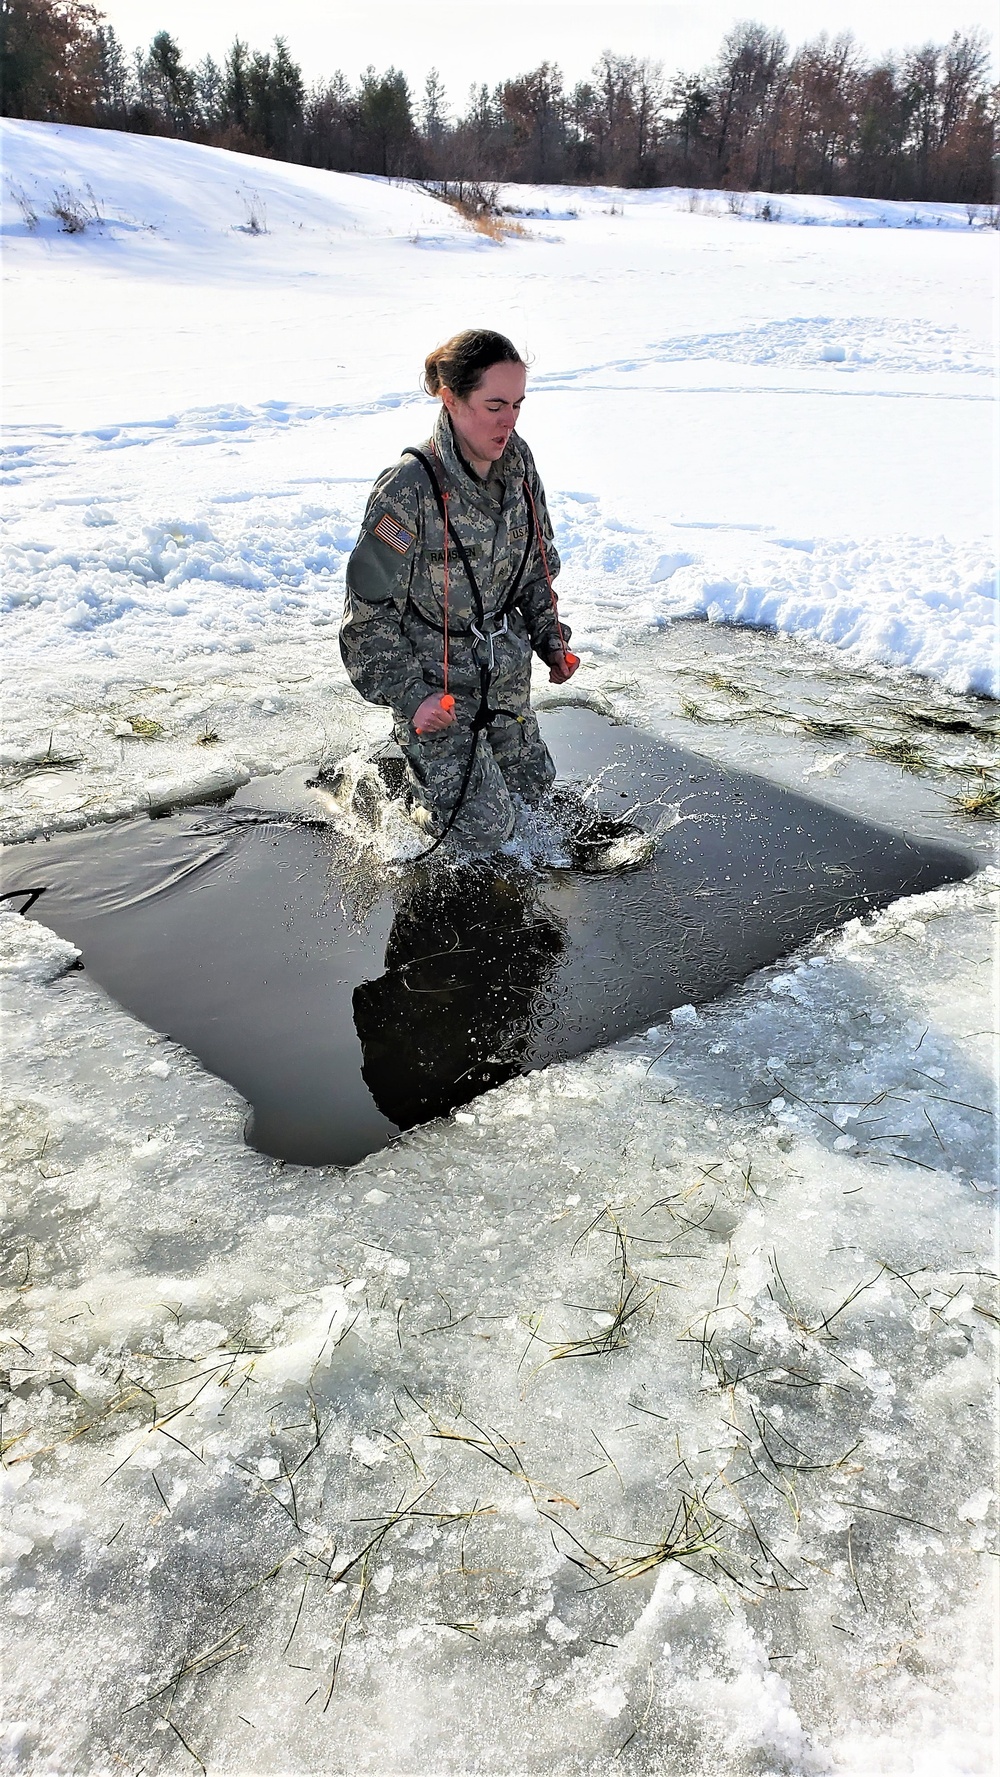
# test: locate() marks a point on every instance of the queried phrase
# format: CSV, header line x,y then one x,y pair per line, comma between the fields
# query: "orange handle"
x,y
447,701
572,659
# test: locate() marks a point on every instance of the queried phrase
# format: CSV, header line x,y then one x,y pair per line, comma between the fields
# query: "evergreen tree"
x,y
434,126
434,109
209,93
170,85
49,59
114,83
330,126
286,96
236,88
386,121
691,102
534,106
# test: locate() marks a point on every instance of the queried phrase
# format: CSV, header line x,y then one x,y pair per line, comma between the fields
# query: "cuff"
x,y
551,648
411,700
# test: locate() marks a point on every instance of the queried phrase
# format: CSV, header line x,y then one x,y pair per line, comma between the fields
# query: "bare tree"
x,y
825,119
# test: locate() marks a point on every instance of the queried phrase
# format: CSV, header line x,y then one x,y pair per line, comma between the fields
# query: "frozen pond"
x,y
639,1417
346,1006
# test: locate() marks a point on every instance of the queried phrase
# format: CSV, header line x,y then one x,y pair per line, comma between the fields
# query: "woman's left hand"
x,y
562,667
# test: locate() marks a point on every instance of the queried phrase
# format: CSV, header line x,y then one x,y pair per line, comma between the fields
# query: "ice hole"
x,y
347,1001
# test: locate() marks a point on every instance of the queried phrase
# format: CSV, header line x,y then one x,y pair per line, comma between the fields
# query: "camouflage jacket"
x,y
392,636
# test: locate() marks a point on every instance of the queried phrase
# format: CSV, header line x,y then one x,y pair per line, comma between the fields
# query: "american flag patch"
x,y
390,531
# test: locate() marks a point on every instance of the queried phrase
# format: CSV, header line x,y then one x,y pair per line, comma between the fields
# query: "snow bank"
x,y
30,952
926,604
138,199
571,203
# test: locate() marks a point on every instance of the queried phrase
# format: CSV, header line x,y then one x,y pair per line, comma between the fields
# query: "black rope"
x,y
32,894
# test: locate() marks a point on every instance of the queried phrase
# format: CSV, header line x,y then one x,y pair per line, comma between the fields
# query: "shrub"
x,y
72,212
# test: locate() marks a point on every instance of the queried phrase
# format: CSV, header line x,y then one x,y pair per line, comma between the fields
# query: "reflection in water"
x,y
269,947
452,1015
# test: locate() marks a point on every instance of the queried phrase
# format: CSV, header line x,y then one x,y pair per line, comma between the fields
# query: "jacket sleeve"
x,y
535,600
379,659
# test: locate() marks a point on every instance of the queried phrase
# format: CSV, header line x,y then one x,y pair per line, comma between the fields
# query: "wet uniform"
x,y
392,636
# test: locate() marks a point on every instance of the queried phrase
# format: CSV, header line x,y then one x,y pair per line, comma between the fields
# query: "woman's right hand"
x,y
562,666
436,713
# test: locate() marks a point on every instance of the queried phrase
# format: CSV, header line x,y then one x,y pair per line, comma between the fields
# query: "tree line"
x,y
823,118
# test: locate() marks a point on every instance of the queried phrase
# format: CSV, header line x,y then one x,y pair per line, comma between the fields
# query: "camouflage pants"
x,y
511,761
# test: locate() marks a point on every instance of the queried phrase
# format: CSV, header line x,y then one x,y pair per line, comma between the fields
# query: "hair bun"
x,y
462,362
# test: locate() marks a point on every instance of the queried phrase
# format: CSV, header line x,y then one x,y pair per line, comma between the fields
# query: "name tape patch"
x,y
389,530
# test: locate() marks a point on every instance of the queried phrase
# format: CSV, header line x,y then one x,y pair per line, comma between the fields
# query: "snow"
x,y
227,1374
811,408
29,952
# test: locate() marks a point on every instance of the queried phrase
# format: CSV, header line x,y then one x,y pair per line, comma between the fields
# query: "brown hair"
x,y
462,362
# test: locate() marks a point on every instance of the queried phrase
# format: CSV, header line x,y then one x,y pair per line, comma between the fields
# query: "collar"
x,y
459,471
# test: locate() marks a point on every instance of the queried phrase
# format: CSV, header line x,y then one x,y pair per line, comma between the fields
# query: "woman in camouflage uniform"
x,y
449,592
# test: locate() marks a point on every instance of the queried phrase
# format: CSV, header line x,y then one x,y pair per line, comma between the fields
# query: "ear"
x,y
447,397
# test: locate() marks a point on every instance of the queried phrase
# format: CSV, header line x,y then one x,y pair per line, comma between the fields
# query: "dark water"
x,y
344,1013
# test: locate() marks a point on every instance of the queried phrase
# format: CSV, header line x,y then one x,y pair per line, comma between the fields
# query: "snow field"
x,y
798,1292
769,1224
804,416
562,203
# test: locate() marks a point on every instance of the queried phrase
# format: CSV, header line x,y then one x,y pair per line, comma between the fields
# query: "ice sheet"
x,y
743,1263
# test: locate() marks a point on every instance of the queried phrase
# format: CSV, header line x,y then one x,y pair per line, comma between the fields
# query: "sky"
x,y
474,42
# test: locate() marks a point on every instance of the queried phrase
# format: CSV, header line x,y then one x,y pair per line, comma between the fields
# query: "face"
x,y
485,420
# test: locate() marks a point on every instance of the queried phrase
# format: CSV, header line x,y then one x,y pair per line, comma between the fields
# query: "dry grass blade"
x,y
194,1664
612,1337
719,682
804,1463
48,761
693,1535
493,1446
614,1334
826,730
943,723
825,1321
199,1761
980,802
854,1575
641,1723
117,1406
364,1562
900,751
606,1220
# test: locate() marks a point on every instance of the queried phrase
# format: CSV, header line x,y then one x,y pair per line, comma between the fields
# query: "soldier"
x,y
449,590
